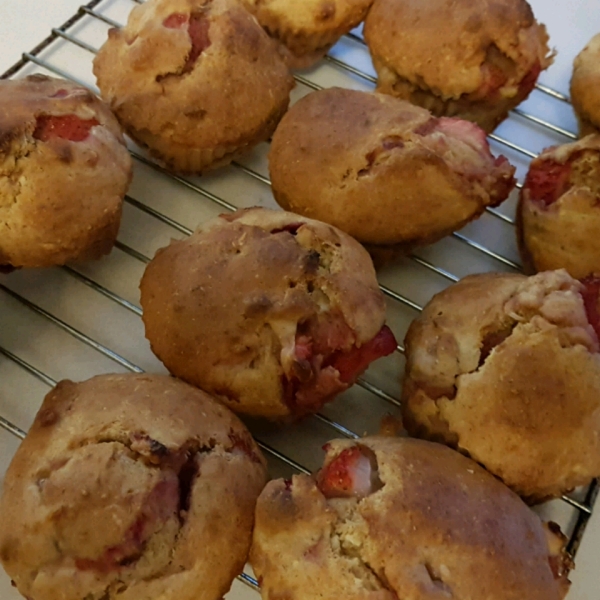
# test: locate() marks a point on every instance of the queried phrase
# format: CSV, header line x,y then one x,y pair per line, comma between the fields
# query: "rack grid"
x,y
162,205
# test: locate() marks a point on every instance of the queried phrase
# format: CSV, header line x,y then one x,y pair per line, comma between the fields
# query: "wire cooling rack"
x,y
77,321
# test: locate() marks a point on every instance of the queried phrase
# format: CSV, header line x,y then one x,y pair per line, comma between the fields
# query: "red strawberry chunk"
x,y
291,228
197,27
528,82
348,474
66,127
198,32
493,79
547,181
176,21
591,295
161,503
352,363
303,349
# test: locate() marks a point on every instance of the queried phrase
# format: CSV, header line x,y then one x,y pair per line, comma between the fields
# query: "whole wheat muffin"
x,y
506,368
585,86
134,487
195,81
384,171
474,60
390,518
64,170
306,30
558,218
273,313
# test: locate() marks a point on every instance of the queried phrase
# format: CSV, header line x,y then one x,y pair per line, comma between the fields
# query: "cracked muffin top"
x,y
474,60
506,368
131,487
309,28
196,81
424,177
273,313
585,83
390,518
64,170
558,217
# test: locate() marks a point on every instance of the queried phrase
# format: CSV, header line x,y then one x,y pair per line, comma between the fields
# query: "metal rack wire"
x,y
401,301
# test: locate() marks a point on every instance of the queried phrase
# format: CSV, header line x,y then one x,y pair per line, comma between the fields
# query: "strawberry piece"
x,y
198,32
591,295
547,181
352,363
60,94
175,21
197,27
291,228
493,79
66,127
349,474
161,503
528,82
465,131
303,349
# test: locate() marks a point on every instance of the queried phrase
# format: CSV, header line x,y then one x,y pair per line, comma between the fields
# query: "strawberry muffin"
x,y
585,86
273,313
134,487
390,518
307,29
506,368
558,217
196,81
64,170
474,60
384,171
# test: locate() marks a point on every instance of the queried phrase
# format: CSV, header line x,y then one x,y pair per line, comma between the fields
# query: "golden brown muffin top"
x,y
308,16
223,308
422,176
425,522
507,368
585,82
443,44
558,216
28,103
64,169
190,66
107,494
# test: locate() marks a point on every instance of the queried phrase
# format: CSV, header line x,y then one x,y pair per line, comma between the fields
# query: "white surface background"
x,y
24,23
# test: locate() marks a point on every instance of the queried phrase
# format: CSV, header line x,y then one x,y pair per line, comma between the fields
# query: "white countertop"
x,y
24,23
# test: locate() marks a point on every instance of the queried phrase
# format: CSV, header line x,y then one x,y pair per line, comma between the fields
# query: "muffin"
x,y
557,216
197,82
390,518
131,487
272,313
64,170
585,83
474,60
506,369
306,30
384,171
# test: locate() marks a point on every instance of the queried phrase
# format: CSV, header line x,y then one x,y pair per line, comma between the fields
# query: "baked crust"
x,y
131,487
585,82
195,103
506,368
225,308
488,55
306,30
436,526
558,218
423,177
60,199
